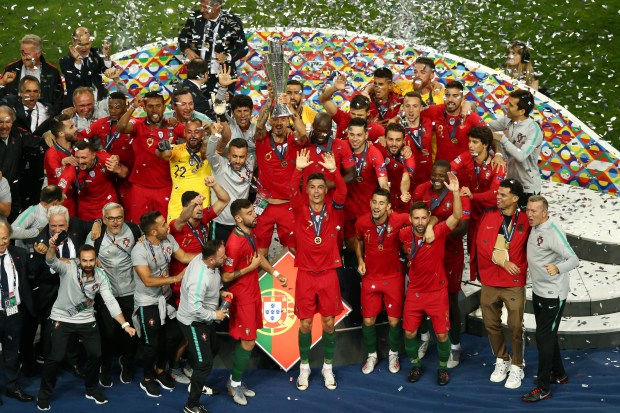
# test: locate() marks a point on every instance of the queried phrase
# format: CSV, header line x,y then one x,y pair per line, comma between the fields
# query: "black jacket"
x,y
20,259
15,102
230,36
202,103
52,91
74,78
47,282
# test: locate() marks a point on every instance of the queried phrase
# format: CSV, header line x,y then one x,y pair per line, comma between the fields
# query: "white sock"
x,y
372,354
425,336
456,346
305,366
393,353
234,383
327,366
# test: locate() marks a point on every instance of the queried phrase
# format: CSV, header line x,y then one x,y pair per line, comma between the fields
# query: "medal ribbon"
x,y
202,239
451,132
513,225
321,148
359,163
317,220
415,247
248,237
279,150
437,201
380,230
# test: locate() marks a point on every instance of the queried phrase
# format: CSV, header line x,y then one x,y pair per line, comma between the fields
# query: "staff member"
x,y
550,259
200,293
15,299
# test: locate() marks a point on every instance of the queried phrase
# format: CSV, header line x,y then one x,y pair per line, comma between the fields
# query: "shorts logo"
x,y
151,322
57,324
247,331
204,337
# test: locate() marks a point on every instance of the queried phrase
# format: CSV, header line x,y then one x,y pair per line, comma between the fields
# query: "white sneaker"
x,y
330,378
302,379
515,377
501,370
370,364
455,358
394,364
423,348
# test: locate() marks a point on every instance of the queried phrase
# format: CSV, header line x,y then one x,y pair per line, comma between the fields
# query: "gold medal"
x,y
149,142
454,141
380,247
268,156
318,240
359,178
507,245
284,164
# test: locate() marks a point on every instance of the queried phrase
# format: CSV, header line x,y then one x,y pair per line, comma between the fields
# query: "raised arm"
x,y
457,207
123,125
340,82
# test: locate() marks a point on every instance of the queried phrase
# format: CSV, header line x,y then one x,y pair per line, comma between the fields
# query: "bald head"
x,y
322,120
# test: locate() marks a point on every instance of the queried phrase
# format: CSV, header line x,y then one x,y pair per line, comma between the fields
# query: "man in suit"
x,y
17,149
15,299
31,114
33,63
84,66
47,279
197,74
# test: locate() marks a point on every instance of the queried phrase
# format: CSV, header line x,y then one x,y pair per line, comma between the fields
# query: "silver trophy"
x,y
277,69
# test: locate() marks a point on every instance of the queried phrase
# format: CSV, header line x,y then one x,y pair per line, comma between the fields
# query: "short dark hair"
x,y
241,101
28,78
57,125
84,144
455,84
427,61
414,95
180,92
154,95
395,127
483,133
147,221
419,205
196,68
239,204
360,102
86,248
238,143
5,222
294,82
515,187
384,73
211,247
358,122
316,175
382,192
51,193
187,197
526,100
442,163
118,96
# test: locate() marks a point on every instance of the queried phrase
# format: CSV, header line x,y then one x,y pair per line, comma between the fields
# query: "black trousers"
x,y
548,314
10,333
221,232
113,338
160,342
61,335
202,346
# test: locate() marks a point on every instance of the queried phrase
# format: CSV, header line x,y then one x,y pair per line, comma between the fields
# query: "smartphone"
x,y
62,237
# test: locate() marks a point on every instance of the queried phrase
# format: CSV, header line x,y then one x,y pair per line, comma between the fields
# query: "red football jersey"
x,y
113,142
451,131
342,155
149,170
482,180
381,252
313,255
188,239
388,110
369,169
239,253
395,166
94,186
440,207
274,177
341,118
426,268
52,162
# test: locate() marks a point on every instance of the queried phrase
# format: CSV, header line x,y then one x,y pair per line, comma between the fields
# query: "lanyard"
x,y
415,246
250,178
7,274
478,169
321,148
437,201
116,244
317,220
82,185
380,230
248,237
381,109
454,123
513,225
415,135
279,150
202,239
81,283
111,137
359,163
194,159
147,242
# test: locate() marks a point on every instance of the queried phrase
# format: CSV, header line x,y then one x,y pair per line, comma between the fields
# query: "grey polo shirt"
x,y
200,293
157,258
115,258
